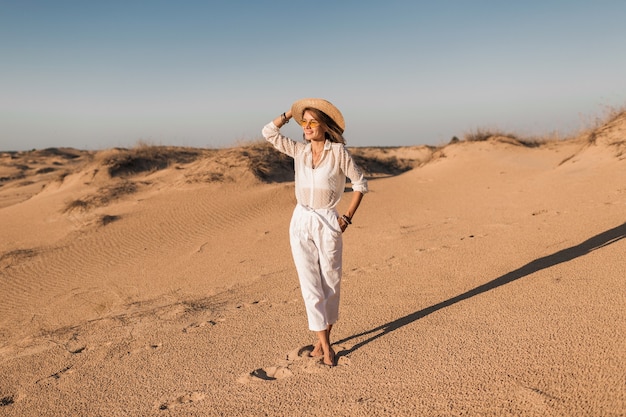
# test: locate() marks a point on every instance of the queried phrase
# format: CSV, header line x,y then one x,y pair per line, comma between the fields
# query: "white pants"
x,y
316,245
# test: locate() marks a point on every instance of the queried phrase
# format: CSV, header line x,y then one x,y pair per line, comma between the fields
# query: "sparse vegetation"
x,y
76,205
146,158
65,153
202,304
267,164
106,219
612,116
13,177
45,170
483,134
102,197
373,166
9,258
600,123
207,177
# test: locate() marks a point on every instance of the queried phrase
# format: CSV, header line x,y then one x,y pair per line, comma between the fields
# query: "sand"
x,y
480,278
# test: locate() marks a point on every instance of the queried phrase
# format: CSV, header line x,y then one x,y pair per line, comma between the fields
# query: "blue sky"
x,y
101,74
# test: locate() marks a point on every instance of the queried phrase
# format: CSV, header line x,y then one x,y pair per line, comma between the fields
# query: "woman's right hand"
x,y
283,119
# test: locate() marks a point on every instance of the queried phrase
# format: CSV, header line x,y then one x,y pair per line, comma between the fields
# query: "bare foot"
x,y
317,350
329,357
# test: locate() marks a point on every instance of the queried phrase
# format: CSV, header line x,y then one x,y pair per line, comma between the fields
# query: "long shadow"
x,y
599,241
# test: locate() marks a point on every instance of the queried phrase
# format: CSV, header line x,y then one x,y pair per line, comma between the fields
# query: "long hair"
x,y
332,131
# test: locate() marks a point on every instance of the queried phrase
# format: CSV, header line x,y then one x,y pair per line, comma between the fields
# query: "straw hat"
x,y
297,110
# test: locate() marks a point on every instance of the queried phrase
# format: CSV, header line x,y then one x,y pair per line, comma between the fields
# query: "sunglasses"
x,y
310,123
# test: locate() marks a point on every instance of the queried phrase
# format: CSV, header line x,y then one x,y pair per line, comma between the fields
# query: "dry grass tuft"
x,y
380,166
65,153
102,197
610,115
19,176
45,170
613,117
267,164
106,219
147,158
483,134
80,205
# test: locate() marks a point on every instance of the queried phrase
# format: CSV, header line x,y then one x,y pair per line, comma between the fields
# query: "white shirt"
x,y
320,187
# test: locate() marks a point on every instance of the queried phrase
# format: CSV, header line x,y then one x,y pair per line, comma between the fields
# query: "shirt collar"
x,y
327,146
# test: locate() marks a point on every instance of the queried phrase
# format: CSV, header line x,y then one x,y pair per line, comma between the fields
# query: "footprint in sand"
x,y
198,325
190,397
304,354
251,304
145,347
299,359
271,373
6,401
57,375
74,345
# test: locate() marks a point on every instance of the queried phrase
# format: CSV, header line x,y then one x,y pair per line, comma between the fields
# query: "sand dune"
x,y
480,278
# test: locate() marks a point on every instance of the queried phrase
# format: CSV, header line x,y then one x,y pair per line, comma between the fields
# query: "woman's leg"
x,y
317,349
330,246
324,342
316,245
306,258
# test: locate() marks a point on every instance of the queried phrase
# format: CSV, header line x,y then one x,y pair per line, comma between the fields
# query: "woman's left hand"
x,y
343,224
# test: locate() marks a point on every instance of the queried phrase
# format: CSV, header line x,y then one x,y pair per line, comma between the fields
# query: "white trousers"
x,y
316,246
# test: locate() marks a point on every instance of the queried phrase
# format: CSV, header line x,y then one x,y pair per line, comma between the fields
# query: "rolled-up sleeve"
x,y
352,171
272,134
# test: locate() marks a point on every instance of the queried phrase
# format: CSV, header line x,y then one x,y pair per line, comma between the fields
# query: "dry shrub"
x,y
113,192
102,197
482,134
267,164
207,177
79,204
107,218
610,114
373,165
203,304
147,158
615,114
612,117
65,153
19,176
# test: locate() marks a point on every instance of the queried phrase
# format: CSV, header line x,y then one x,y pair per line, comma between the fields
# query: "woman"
x,y
322,164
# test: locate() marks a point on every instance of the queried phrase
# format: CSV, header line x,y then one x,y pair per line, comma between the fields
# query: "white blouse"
x,y
320,187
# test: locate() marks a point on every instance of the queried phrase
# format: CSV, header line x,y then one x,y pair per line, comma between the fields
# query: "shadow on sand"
x,y
596,242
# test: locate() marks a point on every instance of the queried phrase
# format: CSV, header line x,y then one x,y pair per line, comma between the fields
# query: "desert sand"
x,y
481,278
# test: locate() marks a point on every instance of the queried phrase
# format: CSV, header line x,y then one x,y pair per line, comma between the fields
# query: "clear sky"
x,y
100,74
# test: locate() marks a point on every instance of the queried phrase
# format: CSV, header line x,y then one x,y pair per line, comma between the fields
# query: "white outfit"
x,y
314,232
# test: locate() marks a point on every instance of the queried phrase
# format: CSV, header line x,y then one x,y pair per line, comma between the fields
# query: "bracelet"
x,y
283,118
346,219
